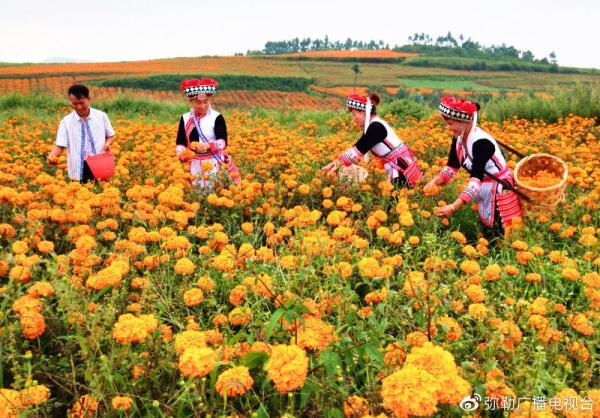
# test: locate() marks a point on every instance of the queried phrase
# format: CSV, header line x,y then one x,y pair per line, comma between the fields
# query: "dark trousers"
x,y
87,173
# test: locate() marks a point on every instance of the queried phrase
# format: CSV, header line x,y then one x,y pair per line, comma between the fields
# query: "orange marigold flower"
x,y
85,407
356,407
122,403
235,381
184,266
193,297
45,247
40,289
34,395
130,328
287,367
189,338
197,362
410,392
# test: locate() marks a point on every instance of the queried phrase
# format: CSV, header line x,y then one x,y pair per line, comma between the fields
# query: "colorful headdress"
x,y
458,109
357,101
194,87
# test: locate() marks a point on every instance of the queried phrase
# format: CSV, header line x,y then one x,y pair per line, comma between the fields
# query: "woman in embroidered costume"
x,y
399,162
478,152
202,136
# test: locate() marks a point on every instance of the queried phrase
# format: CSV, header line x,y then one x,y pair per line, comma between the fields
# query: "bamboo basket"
x,y
544,200
353,174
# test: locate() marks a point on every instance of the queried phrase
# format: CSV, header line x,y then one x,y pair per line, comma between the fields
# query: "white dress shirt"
x,y
69,136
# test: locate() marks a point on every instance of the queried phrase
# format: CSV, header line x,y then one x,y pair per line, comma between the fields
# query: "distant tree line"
x,y
422,43
325,44
449,45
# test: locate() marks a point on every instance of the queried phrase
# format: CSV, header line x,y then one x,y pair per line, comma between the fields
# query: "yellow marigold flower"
x,y
40,289
193,297
184,266
122,403
20,247
235,381
477,310
197,362
130,328
570,274
287,367
410,392
189,338
563,402
247,228
469,267
519,245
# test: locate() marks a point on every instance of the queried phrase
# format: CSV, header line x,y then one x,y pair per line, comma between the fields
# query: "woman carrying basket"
x,y
399,162
202,136
491,183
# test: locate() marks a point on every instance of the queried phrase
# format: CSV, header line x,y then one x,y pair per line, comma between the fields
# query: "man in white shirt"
x,y
83,132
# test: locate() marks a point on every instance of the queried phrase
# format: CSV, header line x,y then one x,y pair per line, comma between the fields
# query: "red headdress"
x,y
458,109
357,101
194,87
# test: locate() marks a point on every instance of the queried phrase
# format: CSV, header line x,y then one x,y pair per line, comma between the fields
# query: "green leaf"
x,y
334,413
253,360
371,351
307,392
273,321
330,360
101,293
262,412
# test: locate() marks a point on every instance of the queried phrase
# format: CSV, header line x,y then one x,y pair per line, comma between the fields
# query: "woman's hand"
x,y
431,188
51,159
446,211
331,168
106,147
203,147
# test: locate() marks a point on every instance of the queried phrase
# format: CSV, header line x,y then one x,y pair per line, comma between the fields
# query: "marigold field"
x,y
290,294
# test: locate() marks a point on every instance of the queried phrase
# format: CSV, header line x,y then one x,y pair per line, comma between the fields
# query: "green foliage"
x,y
584,101
405,108
481,64
226,82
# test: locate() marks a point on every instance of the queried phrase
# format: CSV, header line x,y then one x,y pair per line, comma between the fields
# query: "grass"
x,y
229,82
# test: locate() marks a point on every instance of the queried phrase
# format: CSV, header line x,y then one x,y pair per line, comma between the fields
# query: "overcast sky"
x,y
117,30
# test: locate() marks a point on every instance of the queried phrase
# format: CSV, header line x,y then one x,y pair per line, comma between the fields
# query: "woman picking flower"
x,y
202,136
399,162
478,152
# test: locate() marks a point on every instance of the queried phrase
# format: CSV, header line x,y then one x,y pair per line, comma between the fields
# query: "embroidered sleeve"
x,y
447,174
471,190
351,156
218,145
